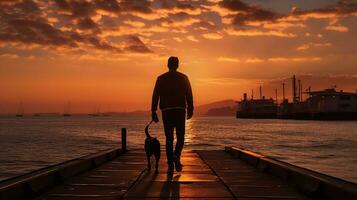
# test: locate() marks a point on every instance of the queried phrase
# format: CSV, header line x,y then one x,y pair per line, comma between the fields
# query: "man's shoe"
x,y
178,164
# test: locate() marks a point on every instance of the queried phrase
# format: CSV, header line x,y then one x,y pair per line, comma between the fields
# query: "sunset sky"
x,y
108,53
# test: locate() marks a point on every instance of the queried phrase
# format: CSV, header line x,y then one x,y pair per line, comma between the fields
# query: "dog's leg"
x,y
157,166
157,159
149,163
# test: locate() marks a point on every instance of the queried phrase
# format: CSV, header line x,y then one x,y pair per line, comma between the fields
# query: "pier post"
x,y
123,139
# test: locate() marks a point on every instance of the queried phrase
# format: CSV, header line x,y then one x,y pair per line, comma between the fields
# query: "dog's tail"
x,y
147,130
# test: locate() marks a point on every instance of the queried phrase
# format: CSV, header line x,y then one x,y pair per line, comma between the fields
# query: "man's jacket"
x,y
173,89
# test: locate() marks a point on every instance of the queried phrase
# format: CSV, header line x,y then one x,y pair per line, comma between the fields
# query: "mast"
x,y
276,95
283,91
299,89
294,89
260,92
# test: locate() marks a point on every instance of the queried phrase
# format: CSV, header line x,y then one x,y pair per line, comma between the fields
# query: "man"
x,y
174,91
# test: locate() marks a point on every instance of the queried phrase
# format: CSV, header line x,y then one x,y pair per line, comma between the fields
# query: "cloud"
x,y
344,8
294,59
179,20
255,32
254,60
243,14
108,5
9,56
136,24
134,44
36,32
177,39
87,24
192,38
272,59
278,25
72,27
311,45
212,36
247,13
337,27
142,6
227,59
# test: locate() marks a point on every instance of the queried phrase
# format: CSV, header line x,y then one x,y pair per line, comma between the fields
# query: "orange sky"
x,y
108,54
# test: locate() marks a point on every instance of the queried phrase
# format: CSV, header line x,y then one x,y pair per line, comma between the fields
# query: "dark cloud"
x,y
248,12
134,44
171,4
77,8
88,24
35,32
235,5
63,4
28,6
102,45
80,8
143,6
15,26
108,5
343,7
18,9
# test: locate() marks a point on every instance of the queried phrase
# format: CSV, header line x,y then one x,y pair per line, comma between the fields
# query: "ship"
x,y
330,104
327,104
257,108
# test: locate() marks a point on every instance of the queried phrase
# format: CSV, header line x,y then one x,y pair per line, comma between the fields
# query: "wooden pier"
x,y
207,174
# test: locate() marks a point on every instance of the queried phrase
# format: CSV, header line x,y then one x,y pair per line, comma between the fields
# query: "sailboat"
x,y
20,111
96,112
67,110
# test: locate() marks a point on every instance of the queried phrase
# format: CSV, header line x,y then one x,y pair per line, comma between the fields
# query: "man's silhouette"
x,y
173,89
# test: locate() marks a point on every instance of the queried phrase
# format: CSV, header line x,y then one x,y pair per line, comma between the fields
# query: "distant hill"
x,y
218,108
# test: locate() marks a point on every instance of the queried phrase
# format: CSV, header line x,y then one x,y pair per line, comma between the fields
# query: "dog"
x,y
152,147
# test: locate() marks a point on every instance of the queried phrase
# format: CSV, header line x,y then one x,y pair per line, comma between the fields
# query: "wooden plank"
x,y
206,175
244,181
108,181
196,181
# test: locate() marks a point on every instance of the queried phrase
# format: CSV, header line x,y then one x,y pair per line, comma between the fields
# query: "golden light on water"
x,y
189,135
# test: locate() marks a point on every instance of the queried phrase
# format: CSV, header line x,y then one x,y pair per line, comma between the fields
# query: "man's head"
x,y
173,63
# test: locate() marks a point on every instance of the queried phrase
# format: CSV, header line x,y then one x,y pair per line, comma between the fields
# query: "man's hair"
x,y
173,62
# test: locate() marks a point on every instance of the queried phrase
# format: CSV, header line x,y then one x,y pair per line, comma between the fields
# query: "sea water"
x,y
29,143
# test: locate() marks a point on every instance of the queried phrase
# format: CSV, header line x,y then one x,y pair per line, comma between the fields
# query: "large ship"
x,y
256,108
327,104
330,104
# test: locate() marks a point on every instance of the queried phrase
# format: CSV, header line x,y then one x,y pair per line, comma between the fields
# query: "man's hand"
x,y
189,114
154,117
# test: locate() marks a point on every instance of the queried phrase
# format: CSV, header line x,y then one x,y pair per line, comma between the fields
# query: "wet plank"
x,y
206,175
109,181
244,181
196,181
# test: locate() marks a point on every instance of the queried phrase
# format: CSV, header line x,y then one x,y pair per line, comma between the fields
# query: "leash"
x,y
147,129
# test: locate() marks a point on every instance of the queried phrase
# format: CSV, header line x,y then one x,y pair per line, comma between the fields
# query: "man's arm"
x,y
189,99
155,101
